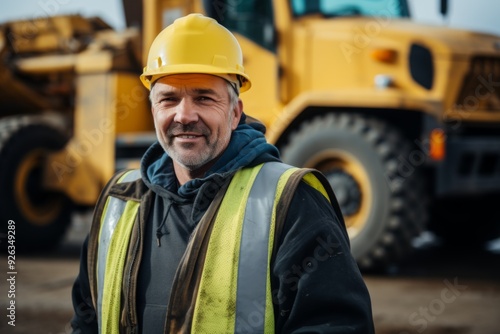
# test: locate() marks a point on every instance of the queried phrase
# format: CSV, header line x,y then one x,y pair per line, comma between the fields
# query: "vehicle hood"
x,y
442,40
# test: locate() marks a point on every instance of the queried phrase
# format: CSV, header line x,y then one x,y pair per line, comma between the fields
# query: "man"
x,y
214,234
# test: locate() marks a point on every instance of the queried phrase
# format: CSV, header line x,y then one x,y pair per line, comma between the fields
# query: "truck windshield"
x,y
333,8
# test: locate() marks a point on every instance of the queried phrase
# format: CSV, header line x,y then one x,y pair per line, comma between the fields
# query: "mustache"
x,y
198,128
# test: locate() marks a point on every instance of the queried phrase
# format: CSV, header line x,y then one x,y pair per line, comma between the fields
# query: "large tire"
x,y
382,196
41,216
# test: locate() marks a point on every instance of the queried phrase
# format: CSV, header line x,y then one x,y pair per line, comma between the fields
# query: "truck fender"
x,y
368,98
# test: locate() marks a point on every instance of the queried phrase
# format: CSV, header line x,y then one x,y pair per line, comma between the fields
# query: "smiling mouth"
x,y
188,137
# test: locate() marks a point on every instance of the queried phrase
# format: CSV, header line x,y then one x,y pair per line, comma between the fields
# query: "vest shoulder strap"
x,y
317,181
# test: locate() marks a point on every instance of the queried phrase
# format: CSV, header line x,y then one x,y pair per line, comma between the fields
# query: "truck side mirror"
x,y
443,8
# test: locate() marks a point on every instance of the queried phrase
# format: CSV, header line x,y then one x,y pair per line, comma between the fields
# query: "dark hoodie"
x,y
316,285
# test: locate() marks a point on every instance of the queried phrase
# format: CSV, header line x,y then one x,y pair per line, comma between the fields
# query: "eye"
x,y
204,98
169,100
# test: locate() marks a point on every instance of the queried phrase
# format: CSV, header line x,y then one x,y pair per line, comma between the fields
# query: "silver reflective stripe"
x,y
113,214
131,176
254,248
111,217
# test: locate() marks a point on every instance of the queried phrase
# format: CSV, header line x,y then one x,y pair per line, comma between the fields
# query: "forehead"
x,y
191,81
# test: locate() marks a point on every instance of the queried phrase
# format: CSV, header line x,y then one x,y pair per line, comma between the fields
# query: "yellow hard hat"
x,y
196,44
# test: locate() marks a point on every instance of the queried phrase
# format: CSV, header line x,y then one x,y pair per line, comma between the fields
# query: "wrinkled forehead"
x,y
192,81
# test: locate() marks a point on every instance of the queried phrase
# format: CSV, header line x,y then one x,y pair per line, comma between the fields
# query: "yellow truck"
x,y
402,118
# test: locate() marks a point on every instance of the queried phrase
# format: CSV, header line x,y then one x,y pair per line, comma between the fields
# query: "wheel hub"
x,y
346,190
351,185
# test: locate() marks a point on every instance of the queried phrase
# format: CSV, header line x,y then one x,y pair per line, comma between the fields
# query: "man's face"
x,y
193,117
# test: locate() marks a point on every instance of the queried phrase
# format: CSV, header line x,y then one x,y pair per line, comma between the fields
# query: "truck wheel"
x,y
381,195
41,216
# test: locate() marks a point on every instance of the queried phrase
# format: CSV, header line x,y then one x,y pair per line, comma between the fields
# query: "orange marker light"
x,y
385,55
437,144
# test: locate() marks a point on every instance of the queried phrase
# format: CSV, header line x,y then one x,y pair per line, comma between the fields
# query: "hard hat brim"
x,y
153,75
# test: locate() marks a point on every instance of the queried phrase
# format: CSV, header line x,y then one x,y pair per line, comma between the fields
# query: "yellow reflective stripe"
x,y
111,215
311,180
219,275
115,262
269,316
111,218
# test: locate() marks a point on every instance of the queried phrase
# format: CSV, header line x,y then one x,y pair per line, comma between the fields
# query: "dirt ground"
x,y
438,290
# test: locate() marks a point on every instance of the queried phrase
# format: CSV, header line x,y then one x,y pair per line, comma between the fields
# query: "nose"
x,y
186,112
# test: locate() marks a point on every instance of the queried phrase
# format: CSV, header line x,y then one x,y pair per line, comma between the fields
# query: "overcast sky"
x,y
478,15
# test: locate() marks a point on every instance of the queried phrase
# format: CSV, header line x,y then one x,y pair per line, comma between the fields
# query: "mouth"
x,y
189,134
188,137
183,136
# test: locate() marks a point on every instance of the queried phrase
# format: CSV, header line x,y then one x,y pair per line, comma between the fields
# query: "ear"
x,y
237,111
151,98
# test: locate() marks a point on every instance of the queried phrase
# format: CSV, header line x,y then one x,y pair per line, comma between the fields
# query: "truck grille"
x,y
472,166
481,88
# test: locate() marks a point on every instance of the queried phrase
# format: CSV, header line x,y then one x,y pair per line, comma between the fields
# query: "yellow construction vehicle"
x,y
402,118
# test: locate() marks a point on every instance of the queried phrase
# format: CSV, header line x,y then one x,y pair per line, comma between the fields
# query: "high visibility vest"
x,y
234,294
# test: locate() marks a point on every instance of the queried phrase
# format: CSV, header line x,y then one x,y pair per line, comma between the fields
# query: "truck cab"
x,y
403,118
